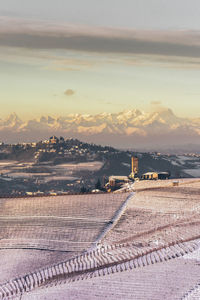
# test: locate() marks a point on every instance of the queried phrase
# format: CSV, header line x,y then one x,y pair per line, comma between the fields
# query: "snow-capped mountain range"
x,y
123,129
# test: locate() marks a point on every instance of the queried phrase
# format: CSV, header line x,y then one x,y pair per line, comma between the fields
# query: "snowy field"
x,y
190,164
169,280
91,166
194,172
52,228
161,220
68,171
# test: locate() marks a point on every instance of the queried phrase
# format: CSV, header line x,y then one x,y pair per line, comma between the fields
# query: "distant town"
x,y
59,166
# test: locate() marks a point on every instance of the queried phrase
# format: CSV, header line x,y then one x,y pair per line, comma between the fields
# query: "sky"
x,y
60,57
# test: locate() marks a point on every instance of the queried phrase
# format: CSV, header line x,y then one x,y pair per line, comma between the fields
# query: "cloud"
x,y
47,59
43,35
41,44
69,92
156,102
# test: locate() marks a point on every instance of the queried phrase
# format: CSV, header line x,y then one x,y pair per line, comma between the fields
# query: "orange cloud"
x,y
69,92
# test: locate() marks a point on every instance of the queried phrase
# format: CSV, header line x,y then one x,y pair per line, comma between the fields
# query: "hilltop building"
x,y
116,182
53,140
134,168
155,175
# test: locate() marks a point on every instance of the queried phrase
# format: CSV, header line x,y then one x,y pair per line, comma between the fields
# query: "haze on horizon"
x,y
92,56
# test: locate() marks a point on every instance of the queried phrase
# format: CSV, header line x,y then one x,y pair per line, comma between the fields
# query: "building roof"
x,y
113,177
150,173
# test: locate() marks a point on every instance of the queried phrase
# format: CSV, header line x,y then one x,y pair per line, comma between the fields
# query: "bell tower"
x,y
134,167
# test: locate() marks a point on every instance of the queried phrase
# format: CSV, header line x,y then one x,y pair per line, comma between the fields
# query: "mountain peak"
x,y
105,126
12,120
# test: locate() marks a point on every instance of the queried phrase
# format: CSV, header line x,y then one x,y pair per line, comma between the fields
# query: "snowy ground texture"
x,y
153,252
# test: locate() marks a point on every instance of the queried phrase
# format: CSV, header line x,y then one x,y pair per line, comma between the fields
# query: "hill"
x,y
60,165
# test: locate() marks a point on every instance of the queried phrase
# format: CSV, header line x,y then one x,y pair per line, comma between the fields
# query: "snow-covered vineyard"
x,y
63,223
141,245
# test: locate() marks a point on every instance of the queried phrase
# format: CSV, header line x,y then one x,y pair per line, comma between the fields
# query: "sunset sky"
x,y
90,56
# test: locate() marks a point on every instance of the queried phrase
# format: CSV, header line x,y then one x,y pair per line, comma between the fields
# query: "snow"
x,y
27,175
60,178
126,122
193,172
175,163
158,214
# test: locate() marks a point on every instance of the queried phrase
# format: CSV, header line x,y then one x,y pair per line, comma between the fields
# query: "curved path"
x,y
102,261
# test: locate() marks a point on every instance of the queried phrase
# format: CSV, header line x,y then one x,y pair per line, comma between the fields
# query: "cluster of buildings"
x,y
116,182
57,147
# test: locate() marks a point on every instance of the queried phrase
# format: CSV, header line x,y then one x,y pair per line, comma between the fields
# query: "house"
x,y
115,182
53,140
155,175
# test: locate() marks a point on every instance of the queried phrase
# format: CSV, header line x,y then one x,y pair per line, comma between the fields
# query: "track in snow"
x,y
102,261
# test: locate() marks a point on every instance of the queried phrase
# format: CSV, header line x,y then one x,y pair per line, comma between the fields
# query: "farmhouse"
x,y
155,175
115,182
